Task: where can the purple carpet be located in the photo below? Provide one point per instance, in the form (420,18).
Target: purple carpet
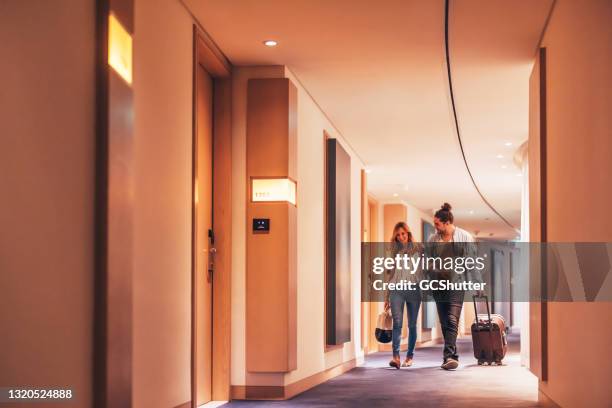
(424,384)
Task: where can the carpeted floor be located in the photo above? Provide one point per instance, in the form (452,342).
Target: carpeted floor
(424,384)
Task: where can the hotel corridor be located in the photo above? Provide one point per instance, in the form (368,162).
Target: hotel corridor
(228,203)
(424,384)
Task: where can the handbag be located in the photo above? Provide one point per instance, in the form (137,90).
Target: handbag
(384,327)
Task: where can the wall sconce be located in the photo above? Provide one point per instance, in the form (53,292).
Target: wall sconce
(119,49)
(273,190)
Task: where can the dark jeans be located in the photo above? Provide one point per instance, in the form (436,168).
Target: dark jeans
(449,304)
(397,299)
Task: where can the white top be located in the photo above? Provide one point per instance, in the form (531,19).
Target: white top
(459,235)
(399,274)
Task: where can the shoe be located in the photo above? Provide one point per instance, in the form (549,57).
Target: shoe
(395,362)
(407,362)
(450,364)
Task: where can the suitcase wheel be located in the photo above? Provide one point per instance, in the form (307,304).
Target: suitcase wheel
(498,362)
(480,362)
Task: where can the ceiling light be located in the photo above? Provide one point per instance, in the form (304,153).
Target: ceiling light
(471,211)
(504,166)
(395,195)
(519,174)
(500,156)
(508,144)
(368,171)
(270,43)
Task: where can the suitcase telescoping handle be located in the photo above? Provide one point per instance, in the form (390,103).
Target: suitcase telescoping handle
(486,303)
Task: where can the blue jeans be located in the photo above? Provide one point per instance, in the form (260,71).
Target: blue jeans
(412,299)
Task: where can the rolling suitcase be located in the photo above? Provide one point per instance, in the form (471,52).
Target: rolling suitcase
(488,336)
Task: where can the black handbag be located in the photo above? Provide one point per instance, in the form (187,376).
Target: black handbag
(384,327)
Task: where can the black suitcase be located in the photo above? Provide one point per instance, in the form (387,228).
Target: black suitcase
(488,336)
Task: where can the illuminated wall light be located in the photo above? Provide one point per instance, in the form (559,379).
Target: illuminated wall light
(119,49)
(273,190)
(270,43)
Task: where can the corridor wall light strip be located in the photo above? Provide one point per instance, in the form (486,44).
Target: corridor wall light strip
(452,97)
(119,49)
(273,190)
(270,43)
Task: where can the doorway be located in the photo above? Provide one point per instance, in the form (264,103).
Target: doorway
(211,223)
(203,235)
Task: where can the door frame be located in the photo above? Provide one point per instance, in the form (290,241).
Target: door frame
(208,55)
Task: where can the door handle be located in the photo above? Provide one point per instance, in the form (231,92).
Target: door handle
(211,254)
(211,262)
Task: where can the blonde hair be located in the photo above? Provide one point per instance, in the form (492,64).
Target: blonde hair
(405,227)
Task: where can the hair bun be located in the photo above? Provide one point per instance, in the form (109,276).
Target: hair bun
(446,207)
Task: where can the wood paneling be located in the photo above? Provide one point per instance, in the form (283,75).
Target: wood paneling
(113,259)
(537,215)
(271,265)
(206,55)
(222,219)
(202,241)
(373,312)
(365,218)
(338,257)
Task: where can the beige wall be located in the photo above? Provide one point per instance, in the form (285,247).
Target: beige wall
(311,122)
(578,41)
(392,214)
(162,211)
(47,142)
(415,219)
(240,77)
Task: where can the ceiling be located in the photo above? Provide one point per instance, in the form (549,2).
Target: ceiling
(378,71)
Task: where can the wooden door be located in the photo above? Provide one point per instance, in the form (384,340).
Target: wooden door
(203,237)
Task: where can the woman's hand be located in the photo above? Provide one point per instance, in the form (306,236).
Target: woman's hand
(387,305)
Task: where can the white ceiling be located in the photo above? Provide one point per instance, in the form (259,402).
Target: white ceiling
(378,71)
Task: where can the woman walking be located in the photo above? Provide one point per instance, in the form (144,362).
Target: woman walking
(402,244)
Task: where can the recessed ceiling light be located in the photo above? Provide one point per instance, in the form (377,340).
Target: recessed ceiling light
(471,211)
(508,144)
(500,156)
(504,166)
(270,43)
(395,195)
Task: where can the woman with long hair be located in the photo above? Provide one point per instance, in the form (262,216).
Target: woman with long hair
(402,243)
